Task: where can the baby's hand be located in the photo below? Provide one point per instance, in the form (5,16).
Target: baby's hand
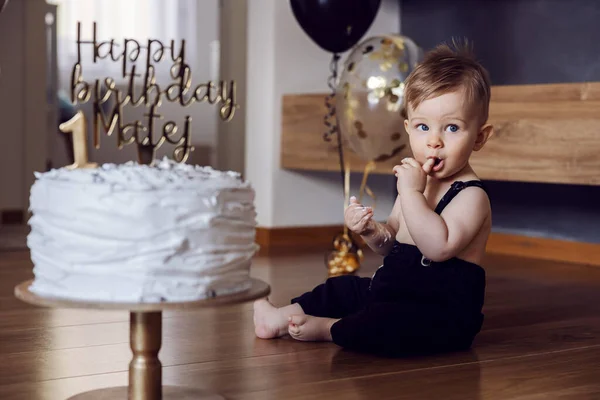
(357,217)
(412,175)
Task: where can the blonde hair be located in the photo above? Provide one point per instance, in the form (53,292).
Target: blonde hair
(447,68)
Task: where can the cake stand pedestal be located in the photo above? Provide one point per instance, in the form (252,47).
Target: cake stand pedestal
(145,369)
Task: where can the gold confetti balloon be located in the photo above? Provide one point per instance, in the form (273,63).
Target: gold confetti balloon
(370,94)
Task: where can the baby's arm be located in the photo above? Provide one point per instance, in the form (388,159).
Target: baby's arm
(378,236)
(441,237)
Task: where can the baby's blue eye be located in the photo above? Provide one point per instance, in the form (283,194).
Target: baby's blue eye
(423,127)
(452,128)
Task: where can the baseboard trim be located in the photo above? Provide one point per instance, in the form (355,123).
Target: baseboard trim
(292,239)
(545,248)
(12,217)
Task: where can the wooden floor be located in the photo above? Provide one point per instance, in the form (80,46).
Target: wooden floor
(541,340)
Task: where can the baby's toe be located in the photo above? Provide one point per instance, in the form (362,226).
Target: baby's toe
(298,319)
(293,329)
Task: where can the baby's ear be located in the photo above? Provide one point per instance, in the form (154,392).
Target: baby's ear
(483,135)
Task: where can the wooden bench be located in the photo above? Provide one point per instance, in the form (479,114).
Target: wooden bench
(543,133)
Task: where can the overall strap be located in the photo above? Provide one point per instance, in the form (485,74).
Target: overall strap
(455,188)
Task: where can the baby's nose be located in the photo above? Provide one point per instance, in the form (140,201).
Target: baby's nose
(434,142)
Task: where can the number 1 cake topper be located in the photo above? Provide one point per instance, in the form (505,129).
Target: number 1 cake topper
(145,90)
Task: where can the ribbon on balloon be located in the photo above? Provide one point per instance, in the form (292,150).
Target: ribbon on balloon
(370,115)
(365,106)
(346,256)
(335,26)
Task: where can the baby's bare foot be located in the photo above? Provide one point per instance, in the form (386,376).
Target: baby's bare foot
(309,328)
(269,322)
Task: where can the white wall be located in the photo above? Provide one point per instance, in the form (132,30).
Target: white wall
(230,137)
(282,59)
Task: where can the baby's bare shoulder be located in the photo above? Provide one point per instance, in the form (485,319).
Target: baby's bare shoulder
(471,200)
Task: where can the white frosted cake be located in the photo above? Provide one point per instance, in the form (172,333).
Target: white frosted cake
(139,233)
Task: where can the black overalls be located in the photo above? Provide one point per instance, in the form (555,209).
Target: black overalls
(411,305)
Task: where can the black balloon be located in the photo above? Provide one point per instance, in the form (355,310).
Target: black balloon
(335,25)
(3,4)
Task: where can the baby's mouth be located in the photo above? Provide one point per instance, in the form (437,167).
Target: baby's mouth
(438,164)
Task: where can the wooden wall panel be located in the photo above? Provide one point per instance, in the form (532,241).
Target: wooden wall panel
(543,133)
(302,144)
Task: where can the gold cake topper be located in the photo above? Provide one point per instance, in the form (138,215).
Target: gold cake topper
(151,95)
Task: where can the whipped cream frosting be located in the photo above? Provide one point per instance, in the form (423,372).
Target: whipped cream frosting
(139,233)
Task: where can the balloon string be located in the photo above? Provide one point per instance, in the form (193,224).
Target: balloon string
(331,119)
(363,186)
(346,193)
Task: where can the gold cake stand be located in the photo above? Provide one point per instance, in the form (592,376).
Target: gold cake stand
(145,368)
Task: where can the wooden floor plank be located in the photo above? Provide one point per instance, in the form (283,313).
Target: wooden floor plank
(541,318)
(568,374)
(560,375)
